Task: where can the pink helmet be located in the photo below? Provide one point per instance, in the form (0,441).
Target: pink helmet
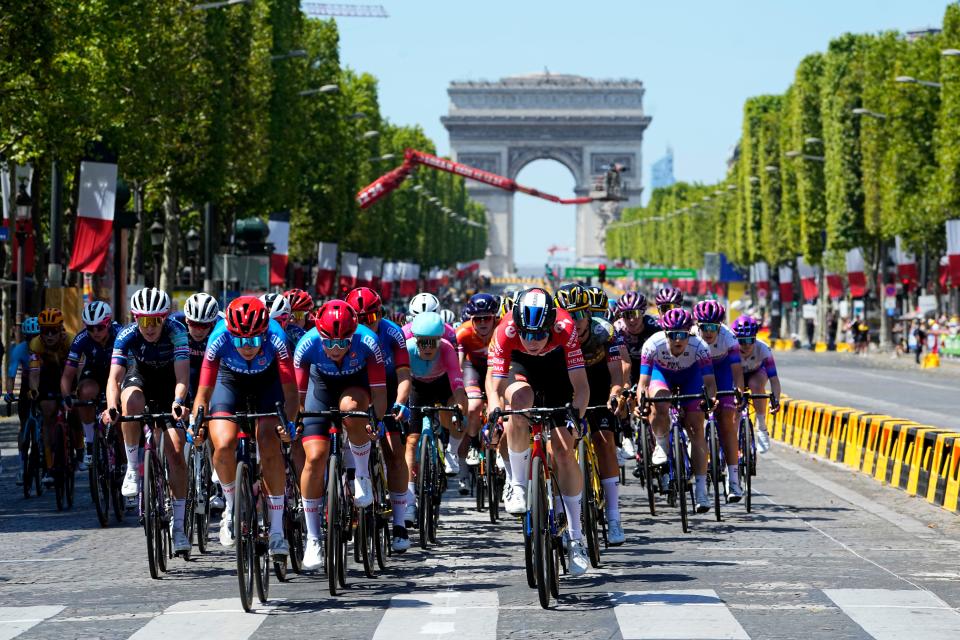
(632,300)
(676,320)
(709,311)
(746,327)
(669,295)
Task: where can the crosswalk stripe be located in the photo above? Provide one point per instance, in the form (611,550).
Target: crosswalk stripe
(222,618)
(891,613)
(464,615)
(684,613)
(16,620)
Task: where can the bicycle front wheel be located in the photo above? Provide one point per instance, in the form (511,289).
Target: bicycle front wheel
(540,532)
(332,549)
(646,451)
(424,499)
(492,484)
(680,476)
(714,445)
(151,516)
(261,534)
(589,504)
(244,522)
(99,476)
(747,461)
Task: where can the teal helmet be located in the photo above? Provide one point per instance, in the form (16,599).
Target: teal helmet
(30,326)
(428,324)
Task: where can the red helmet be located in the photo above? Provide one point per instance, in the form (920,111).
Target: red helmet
(247,317)
(299,300)
(364,300)
(336,319)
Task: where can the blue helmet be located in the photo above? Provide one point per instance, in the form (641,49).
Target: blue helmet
(481,304)
(428,324)
(30,326)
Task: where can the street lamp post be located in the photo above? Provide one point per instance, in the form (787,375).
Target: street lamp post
(860,111)
(193,249)
(324,89)
(24,204)
(156,241)
(912,80)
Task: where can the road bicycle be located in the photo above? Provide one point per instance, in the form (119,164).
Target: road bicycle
(490,479)
(106,467)
(431,481)
(31,444)
(200,488)
(747,463)
(64,467)
(594,503)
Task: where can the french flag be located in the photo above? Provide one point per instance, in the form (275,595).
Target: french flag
(279,225)
(95,208)
(389,277)
(326,268)
(906,262)
(349,271)
(786,284)
(808,279)
(855,273)
(760,277)
(953,250)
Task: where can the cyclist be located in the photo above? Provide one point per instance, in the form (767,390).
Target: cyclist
(94,345)
(150,367)
(634,327)
(506,307)
(601,357)
(200,313)
(535,355)
(423,303)
(758,367)
(668,298)
(338,364)
(728,373)
(20,361)
(479,320)
(366,302)
(301,306)
(247,362)
(673,359)
(48,355)
(437,379)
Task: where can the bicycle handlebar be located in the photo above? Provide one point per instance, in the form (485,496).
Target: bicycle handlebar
(433,410)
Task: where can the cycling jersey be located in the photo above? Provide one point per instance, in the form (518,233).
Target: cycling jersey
(725,352)
(601,345)
(448,333)
(684,372)
(760,357)
(49,362)
(19,359)
(311,361)
(393,344)
(130,347)
(445,363)
(197,349)
(506,341)
(95,356)
(471,345)
(294,333)
(634,341)
(221,352)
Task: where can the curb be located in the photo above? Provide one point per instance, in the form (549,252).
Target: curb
(920,459)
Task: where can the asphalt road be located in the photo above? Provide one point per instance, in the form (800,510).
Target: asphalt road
(826,553)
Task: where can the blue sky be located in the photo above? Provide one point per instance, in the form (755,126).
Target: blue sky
(698,61)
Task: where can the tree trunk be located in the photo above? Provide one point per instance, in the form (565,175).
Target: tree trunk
(171,241)
(135,264)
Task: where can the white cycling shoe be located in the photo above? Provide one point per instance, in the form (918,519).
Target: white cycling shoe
(451,466)
(763,440)
(734,492)
(615,534)
(629,448)
(362,492)
(313,554)
(278,546)
(702,501)
(226,530)
(577,561)
(659,456)
(516,503)
(130,487)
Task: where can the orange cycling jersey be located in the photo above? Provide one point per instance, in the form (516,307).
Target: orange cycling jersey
(472,345)
(54,358)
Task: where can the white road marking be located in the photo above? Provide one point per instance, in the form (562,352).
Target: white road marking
(222,618)
(463,615)
(24,560)
(696,614)
(889,614)
(17,620)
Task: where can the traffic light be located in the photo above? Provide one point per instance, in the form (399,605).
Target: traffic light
(602,273)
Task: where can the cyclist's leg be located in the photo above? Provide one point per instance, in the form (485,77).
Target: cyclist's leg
(693,422)
(356,398)
(316,448)
(519,395)
(473,383)
(132,402)
(757,383)
(87,389)
(265,389)
(603,425)
(660,413)
(48,411)
(729,439)
(394,458)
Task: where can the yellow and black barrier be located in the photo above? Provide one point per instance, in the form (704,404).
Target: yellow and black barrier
(920,459)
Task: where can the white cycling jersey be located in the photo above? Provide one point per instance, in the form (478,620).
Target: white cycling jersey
(656,353)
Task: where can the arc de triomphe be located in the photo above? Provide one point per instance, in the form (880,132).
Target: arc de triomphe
(582,123)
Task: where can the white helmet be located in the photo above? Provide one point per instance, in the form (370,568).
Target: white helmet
(448,317)
(150,302)
(423,302)
(96,312)
(202,308)
(277,305)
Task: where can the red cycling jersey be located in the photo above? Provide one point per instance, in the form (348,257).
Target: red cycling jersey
(472,345)
(505,341)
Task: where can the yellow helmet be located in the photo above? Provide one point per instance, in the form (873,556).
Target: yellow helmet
(598,299)
(50,317)
(572,298)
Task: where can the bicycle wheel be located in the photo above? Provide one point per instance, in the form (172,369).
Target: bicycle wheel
(492,484)
(680,476)
(332,548)
(116,480)
(202,511)
(244,521)
(646,450)
(367,540)
(589,504)
(261,545)
(59,465)
(714,448)
(69,468)
(99,476)
(296,528)
(439,488)
(424,500)
(164,508)
(190,504)
(151,515)
(478,483)
(540,532)
(31,464)
(747,461)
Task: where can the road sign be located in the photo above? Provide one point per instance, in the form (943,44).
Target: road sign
(659,272)
(617,272)
(890,290)
(571,273)
(4,234)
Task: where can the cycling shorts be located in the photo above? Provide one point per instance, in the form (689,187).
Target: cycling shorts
(723,373)
(602,420)
(323,394)
(748,375)
(49,386)
(474,379)
(259,392)
(689,381)
(426,394)
(158,384)
(547,376)
(98,375)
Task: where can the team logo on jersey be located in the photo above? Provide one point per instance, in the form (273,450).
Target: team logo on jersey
(510,330)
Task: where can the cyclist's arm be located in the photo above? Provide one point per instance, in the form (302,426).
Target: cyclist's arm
(181,369)
(581,389)
(710,384)
(496,387)
(737,370)
(117,371)
(288,381)
(208,378)
(616,382)
(403,385)
(34,378)
(775,388)
(67,379)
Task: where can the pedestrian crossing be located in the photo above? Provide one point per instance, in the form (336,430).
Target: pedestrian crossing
(700,614)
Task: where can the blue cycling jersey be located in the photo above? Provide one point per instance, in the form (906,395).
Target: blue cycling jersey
(170,347)
(19,357)
(220,348)
(364,350)
(95,355)
(294,333)
(392,341)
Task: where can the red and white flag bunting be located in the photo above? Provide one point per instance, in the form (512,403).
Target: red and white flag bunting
(349,271)
(808,279)
(95,207)
(855,273)
(409,273)
(377,272)
(760,276)
(786,284)
(953,250)
(365,272)
(906,262)
(388,279)
(834,284)
(25,175)
(326,268)
(279,225)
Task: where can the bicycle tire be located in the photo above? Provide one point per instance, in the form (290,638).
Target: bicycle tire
(297,530)
(332,548)
(70,468)
(714,446)
(261,545)
(202,517)
(366,539)
(99,478)
(243,518)
(493,484)
(59,465)
(424,503)
(190,504)
(540,525)
(587,500)
(478,484)
(150,515)
(439,488)
(646,452)
(747,463)
(116,481)
(163,500)
(680,477)
(30,465)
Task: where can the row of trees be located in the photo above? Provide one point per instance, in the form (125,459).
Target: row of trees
(847,157)
(230,105)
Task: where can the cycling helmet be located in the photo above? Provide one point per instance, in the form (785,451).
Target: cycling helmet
(399,317)
(336,320)
(150,302)
(598,300)
(247,317)
(709,311)
(50,317)
(96,312)
(676,320)
(506,306)
(746,327)
(574,298)
(423,302)
(669,295)
(427,325)
(480,304)
(632,300)
(447,316)
(364,300)
(30,326)
(202,308)
(299,300)
(534,311)
(277,306)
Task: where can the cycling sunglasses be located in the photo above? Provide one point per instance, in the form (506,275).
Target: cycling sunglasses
(747,340)
(678,335)
(335,343)
(371,317)
(199,325)
(251,342)
(633,314)
(532,336)
(427,343)
(146,322)
(712,327)
(299,315)
(96,328)
(50,332)
(484,318)
(663,308)
(580,314)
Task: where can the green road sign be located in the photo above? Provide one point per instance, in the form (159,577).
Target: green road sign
(571,273)
(617,272)
(659,272)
